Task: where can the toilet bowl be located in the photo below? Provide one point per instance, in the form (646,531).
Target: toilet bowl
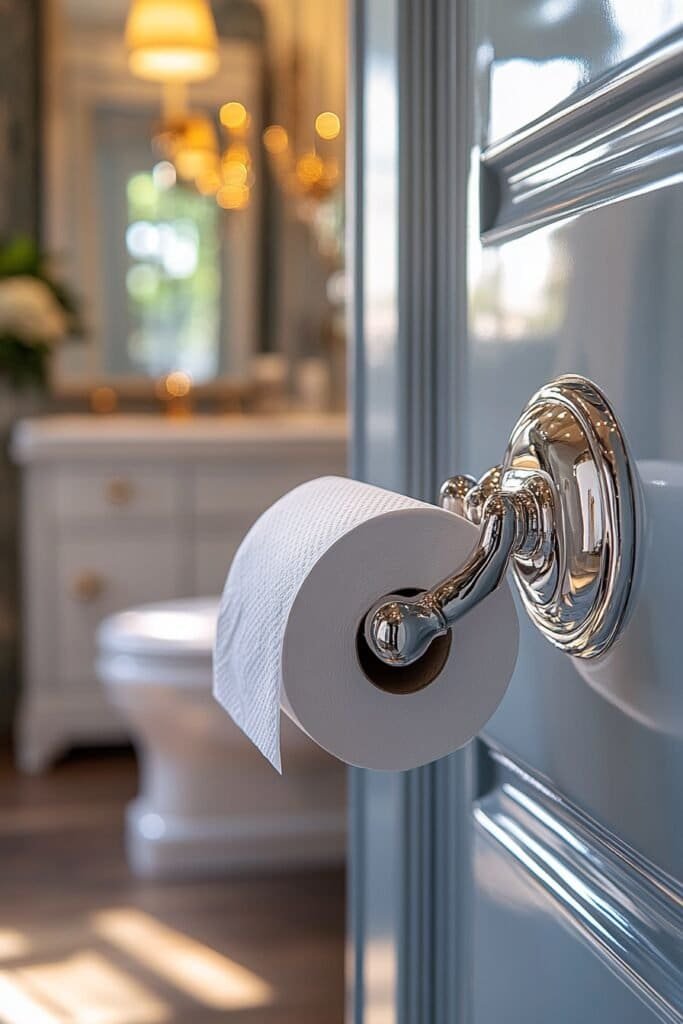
(208,801)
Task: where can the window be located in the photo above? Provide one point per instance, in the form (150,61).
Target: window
(173,276)
(162,259)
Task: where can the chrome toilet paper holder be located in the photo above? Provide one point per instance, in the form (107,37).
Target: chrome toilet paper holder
(561,510)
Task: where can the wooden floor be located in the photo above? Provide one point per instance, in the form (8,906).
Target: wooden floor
(82,942)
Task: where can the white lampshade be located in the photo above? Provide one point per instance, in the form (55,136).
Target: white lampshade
(172,40)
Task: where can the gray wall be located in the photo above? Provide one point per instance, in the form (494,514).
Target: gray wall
(19,99)
(19,214)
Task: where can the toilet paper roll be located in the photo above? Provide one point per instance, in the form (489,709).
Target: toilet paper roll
(290,629)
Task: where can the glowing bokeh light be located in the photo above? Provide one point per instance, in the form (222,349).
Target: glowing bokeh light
(328,125)
(233,115)
(275,139)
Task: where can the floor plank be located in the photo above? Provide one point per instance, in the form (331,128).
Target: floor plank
(62,870)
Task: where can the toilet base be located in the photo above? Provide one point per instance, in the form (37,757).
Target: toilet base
(172,846)
(208,801)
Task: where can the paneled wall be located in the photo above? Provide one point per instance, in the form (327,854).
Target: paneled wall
(19,214)
(19,136)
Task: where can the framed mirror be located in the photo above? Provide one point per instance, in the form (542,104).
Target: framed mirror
(167,276)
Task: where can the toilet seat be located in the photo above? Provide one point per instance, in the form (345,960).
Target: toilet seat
(167,642)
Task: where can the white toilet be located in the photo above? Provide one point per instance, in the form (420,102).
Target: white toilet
(208,800)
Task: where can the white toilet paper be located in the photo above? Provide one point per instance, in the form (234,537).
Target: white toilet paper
(297,593)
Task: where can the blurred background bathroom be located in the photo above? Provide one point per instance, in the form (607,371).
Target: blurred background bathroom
(172,359)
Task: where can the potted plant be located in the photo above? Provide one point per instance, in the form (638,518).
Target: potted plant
(36,314)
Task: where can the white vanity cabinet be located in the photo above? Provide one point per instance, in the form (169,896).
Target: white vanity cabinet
(122,510)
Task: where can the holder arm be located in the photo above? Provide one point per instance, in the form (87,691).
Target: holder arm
(399,629)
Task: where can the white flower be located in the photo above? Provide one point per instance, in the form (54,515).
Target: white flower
(30,311)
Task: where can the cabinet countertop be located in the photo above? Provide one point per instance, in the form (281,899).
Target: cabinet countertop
(143,436)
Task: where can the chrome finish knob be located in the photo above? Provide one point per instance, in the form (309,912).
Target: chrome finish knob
(402,628)
(454,492)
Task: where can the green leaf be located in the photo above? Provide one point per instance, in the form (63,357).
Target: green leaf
(19,255)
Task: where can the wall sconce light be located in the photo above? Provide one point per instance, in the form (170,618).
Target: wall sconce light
(172,40)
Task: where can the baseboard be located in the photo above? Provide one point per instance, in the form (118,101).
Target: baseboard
(163,847)
(47,727)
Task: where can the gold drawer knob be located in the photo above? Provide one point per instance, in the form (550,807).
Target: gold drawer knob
(119,491)
(87,586)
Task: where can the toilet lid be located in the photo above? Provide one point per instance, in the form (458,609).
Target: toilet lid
(175,629)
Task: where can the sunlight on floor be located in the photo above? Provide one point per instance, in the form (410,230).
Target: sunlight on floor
(81,942)
(82,989)
(86,988)
(202,973)
(19,1007)
(13,944)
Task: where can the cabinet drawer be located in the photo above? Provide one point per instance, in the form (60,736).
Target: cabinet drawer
(213,554)
(115,493)
(247,489)
(98,576)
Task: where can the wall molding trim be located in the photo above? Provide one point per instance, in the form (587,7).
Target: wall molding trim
(410,858)
(627,910)
(620,136)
